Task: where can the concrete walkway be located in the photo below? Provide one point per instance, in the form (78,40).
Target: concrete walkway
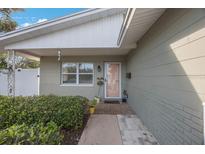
(107,129)
(101,129)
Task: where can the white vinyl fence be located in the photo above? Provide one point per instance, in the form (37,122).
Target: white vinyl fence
(26,82)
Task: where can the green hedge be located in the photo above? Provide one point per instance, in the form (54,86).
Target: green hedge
(33,134)
(21,112)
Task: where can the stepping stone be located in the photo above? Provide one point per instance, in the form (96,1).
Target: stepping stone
(134,132)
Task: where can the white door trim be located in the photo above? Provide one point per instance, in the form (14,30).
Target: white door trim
(105,77)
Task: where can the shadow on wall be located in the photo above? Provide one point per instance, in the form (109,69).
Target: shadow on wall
(168,77)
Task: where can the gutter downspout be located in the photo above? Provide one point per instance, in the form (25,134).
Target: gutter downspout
(125,25)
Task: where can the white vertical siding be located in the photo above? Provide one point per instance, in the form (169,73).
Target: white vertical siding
(99,33)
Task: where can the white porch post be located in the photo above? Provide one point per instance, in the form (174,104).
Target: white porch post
(11,72)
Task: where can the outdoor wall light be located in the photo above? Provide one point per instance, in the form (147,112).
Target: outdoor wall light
(99,68)
(128,75)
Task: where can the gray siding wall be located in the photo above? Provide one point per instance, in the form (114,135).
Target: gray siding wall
(167,87)
(50,75)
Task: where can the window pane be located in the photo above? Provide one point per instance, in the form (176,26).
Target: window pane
(86,78)
(69,78)
(85,68)
(69,68)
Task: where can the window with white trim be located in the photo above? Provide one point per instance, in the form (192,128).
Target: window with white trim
(77,73)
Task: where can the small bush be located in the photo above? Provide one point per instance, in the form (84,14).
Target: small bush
(92,103)
(34,134)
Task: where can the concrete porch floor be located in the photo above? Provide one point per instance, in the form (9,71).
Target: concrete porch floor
(115,129)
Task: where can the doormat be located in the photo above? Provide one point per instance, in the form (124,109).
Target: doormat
(112,102)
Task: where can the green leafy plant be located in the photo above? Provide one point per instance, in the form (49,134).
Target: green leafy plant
(7,24)
(93,103)
(3,63)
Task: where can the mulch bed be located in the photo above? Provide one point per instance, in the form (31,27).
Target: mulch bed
(72,137)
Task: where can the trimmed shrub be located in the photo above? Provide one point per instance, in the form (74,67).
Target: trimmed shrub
(65,111)
(34,134)
(38,119)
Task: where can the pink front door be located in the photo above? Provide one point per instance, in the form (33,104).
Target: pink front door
(112,76)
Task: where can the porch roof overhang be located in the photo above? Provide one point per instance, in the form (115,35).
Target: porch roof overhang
(90,32)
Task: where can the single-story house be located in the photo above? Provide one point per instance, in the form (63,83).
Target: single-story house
(155,56)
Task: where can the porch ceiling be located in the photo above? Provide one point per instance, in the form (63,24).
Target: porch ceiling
(138,24)
(72,52)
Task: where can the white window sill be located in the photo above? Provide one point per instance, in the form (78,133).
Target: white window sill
(76,85)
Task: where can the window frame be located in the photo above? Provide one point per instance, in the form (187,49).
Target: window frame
(77,74)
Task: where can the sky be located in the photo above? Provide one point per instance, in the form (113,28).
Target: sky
(35,15)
